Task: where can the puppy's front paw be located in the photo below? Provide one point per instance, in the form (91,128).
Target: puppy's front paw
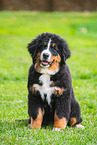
(33,89)
(57,129)
(58,91)
(79,126)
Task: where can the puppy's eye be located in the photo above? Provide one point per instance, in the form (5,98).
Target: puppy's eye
(53,45)
(45,44)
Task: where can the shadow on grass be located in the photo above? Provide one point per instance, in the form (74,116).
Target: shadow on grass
(18,125)
(12,125)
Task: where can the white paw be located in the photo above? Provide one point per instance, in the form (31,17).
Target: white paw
(57,89)
(57,129)
(80,126)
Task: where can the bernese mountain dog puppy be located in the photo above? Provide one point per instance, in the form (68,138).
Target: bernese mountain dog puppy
(50,94)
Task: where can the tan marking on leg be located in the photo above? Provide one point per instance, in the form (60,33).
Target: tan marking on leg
(59,91)
(52,84)
(59,123)
(32,89)
(72,121)
(36,124)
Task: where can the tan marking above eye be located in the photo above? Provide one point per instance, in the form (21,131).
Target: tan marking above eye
(53,45)
(44,44)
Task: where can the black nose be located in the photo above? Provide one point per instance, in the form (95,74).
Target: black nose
(45,55)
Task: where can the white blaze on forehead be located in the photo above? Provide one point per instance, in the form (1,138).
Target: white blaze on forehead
(47,51)
(49,43)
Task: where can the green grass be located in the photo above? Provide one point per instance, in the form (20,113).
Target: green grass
(17,29)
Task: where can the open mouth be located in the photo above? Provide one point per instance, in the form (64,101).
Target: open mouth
(44,63)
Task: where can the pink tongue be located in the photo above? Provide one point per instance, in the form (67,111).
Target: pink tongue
(45,63)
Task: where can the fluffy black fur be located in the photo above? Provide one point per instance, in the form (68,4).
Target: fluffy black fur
(65,105)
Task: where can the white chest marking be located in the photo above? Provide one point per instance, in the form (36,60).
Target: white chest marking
(45,88)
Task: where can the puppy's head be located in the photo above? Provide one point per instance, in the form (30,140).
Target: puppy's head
(48,52)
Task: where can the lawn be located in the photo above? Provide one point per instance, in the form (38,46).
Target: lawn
(17,29)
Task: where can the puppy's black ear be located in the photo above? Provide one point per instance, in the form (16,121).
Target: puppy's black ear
(65,52)
(32,48)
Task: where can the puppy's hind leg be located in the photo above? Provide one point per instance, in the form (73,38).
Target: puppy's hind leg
(75,117)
